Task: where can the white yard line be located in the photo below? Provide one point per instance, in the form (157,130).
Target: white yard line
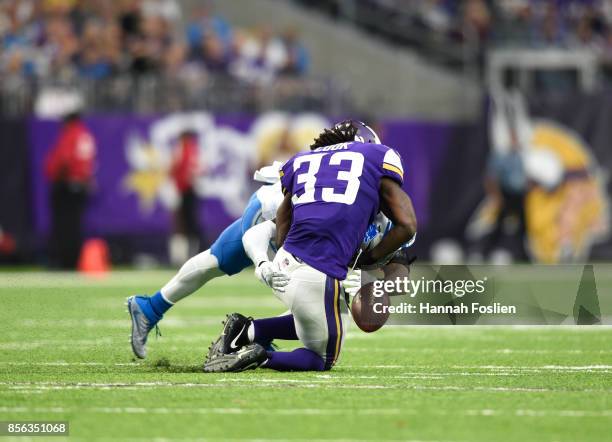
(116,279)
(492,369)
(115,323)
(70,364)
(274,383)
(307,411)
(472,350)
(204,411)
(427,372)
(540,368)
(164,439)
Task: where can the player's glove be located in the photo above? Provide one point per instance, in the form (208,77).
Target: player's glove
(352,283)
(271,276)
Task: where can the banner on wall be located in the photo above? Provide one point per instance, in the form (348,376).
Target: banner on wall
(134,194)
(444,167)
(565,149)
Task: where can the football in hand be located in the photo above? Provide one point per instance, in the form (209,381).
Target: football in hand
(369,311)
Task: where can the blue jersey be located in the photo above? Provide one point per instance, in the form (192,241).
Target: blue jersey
(335,196)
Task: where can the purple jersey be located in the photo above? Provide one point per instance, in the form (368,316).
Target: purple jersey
(335,196)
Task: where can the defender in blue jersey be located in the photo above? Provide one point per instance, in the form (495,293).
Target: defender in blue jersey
(225,257)
(332,194)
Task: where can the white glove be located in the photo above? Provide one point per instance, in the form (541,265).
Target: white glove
(272,276)
(352,283)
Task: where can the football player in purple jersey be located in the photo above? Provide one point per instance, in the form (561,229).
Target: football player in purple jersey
(332,194)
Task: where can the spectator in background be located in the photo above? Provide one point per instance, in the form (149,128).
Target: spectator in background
(211,53)
(130,19)
(476,26)
(64,40)
(498,231)
(298,59)
(550,29)
(586,36)
(168,10)
(94,60)
(8,246)
(69,167)
(434,15)
(185,171)
(202,22)
(260,57)
(506,183)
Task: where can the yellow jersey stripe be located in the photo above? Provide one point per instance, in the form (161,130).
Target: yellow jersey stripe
(337,316)
(393,168)
(281,173)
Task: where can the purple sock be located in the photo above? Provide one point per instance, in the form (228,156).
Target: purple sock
(301,359)
(279,327)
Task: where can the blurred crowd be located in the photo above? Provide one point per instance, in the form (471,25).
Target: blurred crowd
(564,24)
(436,25)
(536,23)
(99,39)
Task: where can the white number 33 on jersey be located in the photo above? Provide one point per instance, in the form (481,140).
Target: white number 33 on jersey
(329,194)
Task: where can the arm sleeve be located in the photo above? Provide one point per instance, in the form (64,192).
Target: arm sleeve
(392,166)
(256,241)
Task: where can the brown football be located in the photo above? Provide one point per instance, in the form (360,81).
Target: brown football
(363,312)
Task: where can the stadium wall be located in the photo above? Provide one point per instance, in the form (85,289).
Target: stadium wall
(134,196)
(15,215)
(445,165)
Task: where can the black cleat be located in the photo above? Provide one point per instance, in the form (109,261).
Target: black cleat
(247,358)
(233,337)
(235,333)
(215,349)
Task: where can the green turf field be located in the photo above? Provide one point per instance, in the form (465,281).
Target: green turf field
(65,355)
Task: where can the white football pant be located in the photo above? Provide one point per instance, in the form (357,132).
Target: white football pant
(318,307)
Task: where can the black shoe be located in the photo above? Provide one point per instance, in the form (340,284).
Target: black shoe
(235,335)
(247,358)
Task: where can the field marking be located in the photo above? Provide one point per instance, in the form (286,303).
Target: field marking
(214,410)
(204,339)
(308,411)
(426,373)
(116,323)
(273,383)
(164,439)
(78,364)
(406,330)
(542,368)
(473,350)
(599,368)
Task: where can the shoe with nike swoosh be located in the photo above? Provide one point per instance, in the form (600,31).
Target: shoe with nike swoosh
(233,338)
